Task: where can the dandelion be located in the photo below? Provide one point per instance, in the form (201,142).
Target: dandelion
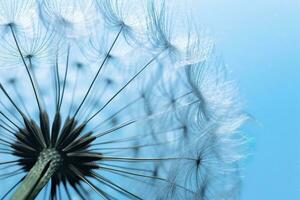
(104,99)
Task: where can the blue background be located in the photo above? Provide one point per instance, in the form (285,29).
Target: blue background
(260,41)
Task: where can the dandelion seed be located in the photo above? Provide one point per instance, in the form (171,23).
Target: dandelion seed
(101,99)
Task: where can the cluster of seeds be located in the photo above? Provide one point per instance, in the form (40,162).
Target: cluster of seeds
(116,97)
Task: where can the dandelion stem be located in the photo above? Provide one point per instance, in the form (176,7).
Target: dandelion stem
(38,176)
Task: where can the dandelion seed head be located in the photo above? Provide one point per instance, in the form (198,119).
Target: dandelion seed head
(17,13)
(118,102)
(71,19)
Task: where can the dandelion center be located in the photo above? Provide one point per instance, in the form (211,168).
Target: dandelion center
(66,142)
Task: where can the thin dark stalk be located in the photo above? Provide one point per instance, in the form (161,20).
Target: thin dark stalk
(117,112)
(20,99)
(94,97)
(7,125)
(132,147)
(7,129)
(95,188)
(9,112)
(65,78)
(98,72)
(57,83)
(74,91)
(142,118)
(133,138)
(11,174)
(128,168)
(124,86)
(12,102)
(8,119)
(146,176)
(67,190)
(115,186)
(27,69)
(8,162)
(38,90)
(128,159)
(13,187)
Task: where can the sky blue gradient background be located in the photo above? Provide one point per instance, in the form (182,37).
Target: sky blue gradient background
(260,40)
